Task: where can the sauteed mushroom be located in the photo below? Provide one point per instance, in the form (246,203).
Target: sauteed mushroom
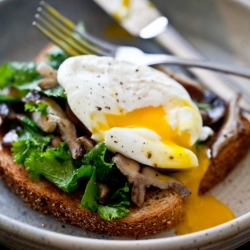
(230,128)
(56,118)
(144,177)
(49,74)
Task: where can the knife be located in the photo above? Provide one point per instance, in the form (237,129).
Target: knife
(141,18)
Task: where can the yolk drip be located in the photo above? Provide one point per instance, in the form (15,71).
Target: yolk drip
(201,211)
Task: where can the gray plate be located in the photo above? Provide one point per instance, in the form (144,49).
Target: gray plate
(220,29)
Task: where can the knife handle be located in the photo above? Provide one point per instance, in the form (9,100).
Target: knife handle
(220,84)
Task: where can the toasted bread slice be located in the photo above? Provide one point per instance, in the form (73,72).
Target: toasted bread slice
(162,208)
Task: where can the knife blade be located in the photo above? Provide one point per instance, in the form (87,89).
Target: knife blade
(141,18)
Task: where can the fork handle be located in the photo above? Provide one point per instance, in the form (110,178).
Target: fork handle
(200,63)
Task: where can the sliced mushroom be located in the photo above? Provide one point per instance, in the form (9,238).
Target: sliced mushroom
(56,141)
(104,191)
(47,123)
(87,143)
(144,177)
(49,74)
(230,128)
(56,118)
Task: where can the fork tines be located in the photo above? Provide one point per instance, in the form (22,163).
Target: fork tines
(65,34)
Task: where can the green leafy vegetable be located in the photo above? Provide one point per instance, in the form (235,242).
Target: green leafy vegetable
(85,171)
(17,73)
(91,194)
(29,139)
(109,213)
(6,75)
(56,56)
(201,105)
(56,165)
(32,106)
(96,157)
(28,86)
(117,206)
(121,194)
(57,91)
(4,98)
(105,171)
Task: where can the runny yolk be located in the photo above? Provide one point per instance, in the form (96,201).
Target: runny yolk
(201,211)
(151,118)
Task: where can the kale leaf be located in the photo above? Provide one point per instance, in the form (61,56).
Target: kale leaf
(57,91)
(17,73)
(96,157)
(56,56)
(4,98)
(91,194)
(56,165)
(105,171)
(117,206)
(32,107)
(30,138)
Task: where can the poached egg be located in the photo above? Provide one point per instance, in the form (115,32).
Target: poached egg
(136,110)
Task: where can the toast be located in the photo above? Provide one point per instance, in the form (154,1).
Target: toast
(161,210)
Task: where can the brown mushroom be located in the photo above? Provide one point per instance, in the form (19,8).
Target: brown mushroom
(49,74)
(230,128)
(104,191)
(87,143)
(142,177)
(56,118)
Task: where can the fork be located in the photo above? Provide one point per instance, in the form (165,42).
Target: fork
(64,33)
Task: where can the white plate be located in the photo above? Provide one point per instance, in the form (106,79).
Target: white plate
(220,29)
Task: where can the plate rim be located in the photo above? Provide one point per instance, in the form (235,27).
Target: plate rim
(226,231)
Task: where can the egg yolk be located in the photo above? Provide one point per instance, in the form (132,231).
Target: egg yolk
(151,118)
(201,211)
